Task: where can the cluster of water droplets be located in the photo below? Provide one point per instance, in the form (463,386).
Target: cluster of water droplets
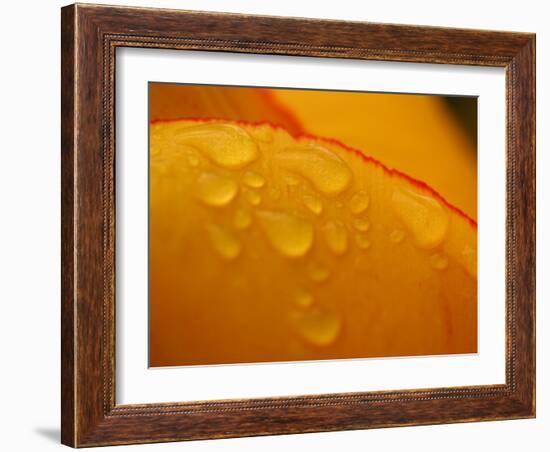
(231,151)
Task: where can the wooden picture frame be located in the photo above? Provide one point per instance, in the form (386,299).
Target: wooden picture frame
(90,36)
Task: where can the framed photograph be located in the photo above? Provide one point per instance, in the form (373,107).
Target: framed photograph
(282,225)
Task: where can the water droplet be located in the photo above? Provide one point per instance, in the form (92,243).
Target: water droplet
(361,225)
(439,261)
(155,151)
(253,179)
(397,236)
(289,234)
(318,327)
(313,203)
(336,236)
(224,242)
(291,180)
(253,197)
(242,219)
(363,241)
(359,202)
(263,134)
(468,259)
(193,159)
(424,216)
(303,299)
(317,273)
(215,189)
(326,171)
(227,145)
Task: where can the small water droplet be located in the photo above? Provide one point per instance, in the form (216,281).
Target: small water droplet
(317,272)
(289,234)
(253,197)
(359,202)
(242,219)
(303,299)
(318,327)
(336,237)
(215,189)
(361,225)
(468,259)
(325,170)
(397,236)
(263,134)
(291,180)
(193,159)
(253,179)
(223,242)
(424,216)
(439,261)
(227,145)
(313,203)
(363,241)
(155,151)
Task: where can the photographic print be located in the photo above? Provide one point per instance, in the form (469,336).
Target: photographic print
(294,225)
(269,225)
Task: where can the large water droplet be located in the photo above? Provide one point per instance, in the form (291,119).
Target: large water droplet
(215,189)
(359,202)
(424,216)
(227,145)
(242,219)
(439,261)
(336,237)
(326,171)
(303,299)
(253,179)
(289,234)
(313,203)
(223,242)
(318,327)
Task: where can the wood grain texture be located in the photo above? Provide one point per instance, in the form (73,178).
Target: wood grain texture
(90,36)
(67,226)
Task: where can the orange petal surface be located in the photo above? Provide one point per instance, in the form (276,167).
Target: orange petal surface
(268,246)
